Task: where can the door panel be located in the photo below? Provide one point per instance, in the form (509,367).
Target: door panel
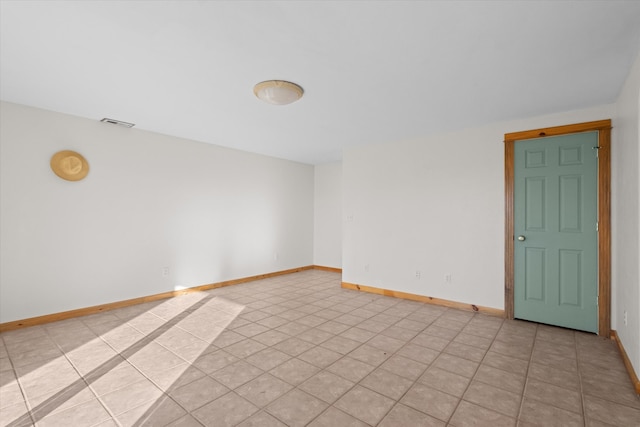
(555,212)
(570,204)
(535,199)
(570,277)
(535,274)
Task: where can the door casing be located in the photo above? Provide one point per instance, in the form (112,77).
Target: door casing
(603,127)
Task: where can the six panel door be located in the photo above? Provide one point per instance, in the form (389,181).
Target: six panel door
(555,227)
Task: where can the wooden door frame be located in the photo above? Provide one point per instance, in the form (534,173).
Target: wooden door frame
(603,127)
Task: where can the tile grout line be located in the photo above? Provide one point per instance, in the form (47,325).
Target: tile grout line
(474,374)
(21,388)
(71,389)
(100,399)
(397,401)
(145,376)
(331,405)
(297,298)
(583,405)
(297,387)
(82,378)
(526,377)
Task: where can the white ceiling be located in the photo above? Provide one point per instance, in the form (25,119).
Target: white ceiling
(372,71)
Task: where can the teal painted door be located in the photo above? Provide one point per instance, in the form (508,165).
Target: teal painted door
(555,231)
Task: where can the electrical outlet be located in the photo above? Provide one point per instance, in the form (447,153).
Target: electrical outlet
(366,267)
(165,271)
(447,278)
(625,318)
(418,274)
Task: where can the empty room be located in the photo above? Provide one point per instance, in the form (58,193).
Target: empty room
(319,213)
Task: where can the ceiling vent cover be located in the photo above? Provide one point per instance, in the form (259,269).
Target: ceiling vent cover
(118,122)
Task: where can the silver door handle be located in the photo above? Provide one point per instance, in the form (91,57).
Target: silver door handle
(522,238)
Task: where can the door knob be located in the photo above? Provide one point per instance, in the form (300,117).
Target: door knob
(522,238)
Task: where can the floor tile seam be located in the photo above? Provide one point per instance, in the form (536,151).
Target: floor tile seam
(18,400)
(540,353)
(511,343)
(524,395)
(515,417)
(486,349)
(396,401)
(109,412)
(17,377)
(320,371)
(337,409)
(23,393)
(536,360)
(191,411)
(465,357)
(92,425)
(125,358)
(262,372)
(581,414)
(460,398)
(141,331)
(51,336)
(416,333)
(121,387)
(446,422)
(12,354)
(526,376)
(414,360)
(616,402)
(115,415)
(40,392)
(54,411)
(20,421)
(356,384)
(253,364)
(331,404)
(116,422)
(266,407)
(583,403)
(586,365)
(543,380)
(618,360)
(81,377)
(623,377)
(500,387)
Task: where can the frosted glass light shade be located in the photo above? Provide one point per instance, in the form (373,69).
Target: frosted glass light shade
(278,92)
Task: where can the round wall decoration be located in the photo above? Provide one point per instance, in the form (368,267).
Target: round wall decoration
(69,165)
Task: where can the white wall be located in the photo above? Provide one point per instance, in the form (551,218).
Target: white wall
(327,240)
(626,216)
(150,201)
(434,205)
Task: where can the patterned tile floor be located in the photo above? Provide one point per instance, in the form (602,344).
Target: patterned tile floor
(297,350)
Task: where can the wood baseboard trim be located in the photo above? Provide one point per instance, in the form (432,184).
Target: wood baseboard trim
(425,299)
(331,269)
(627,362)
(48,318)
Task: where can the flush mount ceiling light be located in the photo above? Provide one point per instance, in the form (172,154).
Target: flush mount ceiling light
(117,122)
(278,92)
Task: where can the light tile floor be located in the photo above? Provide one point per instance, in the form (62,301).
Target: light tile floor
(297,350)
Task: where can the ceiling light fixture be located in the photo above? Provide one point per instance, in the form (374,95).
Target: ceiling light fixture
(117,122)
(278,92)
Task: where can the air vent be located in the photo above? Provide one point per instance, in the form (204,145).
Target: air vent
(118,122)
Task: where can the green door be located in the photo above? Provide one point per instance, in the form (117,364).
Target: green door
(555,228)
